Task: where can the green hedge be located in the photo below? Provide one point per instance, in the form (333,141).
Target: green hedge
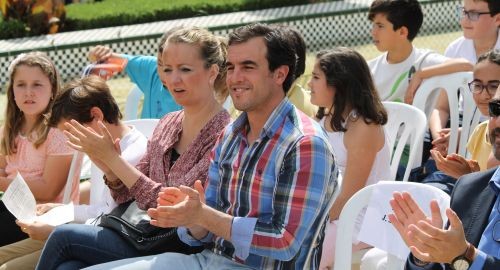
(109,13)
(12,29)
(124,12)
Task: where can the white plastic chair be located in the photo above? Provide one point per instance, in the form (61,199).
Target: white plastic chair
(406,125)
(73,176)
(132,103)
(324,216)
(145,126)
(455,85)
(360,200)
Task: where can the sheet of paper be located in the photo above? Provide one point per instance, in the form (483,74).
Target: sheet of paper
(58,215)
(376,229)
(19,200)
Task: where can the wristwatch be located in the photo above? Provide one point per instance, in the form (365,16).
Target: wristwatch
(463,261)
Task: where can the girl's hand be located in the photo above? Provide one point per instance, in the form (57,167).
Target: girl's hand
(45,207)
(36,230)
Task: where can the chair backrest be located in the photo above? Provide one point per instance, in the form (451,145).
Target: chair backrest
(406,126)
(360,200)
(455,85)
(132,103)
(323,217)
(73,176)
(145,126)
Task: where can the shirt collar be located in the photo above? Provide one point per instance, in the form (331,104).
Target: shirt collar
(495,181)
(272,124)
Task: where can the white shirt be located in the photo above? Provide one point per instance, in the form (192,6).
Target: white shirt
(464,48)
(391,80)
(133,146)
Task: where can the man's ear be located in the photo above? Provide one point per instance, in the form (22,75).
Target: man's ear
(280,74)
(96,114)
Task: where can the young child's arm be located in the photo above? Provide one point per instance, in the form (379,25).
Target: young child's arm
(447,67)
(54,178)
(439,117)
(3,164)
(101,53)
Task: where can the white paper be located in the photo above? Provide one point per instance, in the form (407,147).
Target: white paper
(19,200)
(377,231)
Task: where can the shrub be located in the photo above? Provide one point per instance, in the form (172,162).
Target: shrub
(12,29)
(112,13)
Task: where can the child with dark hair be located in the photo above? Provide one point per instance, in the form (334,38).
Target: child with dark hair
(479,20)
(395,23)
(350,108)
(87,101)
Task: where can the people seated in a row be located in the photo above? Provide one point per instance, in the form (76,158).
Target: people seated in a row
(87,101)
(177,154)
(28,145)
(271,172)
(480,22)
(486,79)
(269,155)
(470,240)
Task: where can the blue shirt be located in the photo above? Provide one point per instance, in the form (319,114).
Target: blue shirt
(157,99)
(276,188)
(487,245)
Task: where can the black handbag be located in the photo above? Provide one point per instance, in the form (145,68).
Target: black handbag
(132,224)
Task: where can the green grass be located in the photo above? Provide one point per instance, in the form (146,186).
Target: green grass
(124,12)
(134,7)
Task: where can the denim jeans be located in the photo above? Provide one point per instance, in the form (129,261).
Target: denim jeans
(74,246)
(440,180)
(206,260)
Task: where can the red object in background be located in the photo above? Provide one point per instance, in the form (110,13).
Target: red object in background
(107,68)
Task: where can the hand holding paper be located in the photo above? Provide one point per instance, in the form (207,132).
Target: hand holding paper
(19,200)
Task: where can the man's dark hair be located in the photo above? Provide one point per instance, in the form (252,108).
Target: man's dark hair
(79,96)
(407,13)
(280,47)
(300,48)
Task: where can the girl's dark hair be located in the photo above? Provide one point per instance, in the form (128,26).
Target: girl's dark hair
(346,70)
(493,56)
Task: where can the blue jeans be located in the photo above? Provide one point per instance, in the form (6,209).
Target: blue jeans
(74,246)
(440,180)
(206,260)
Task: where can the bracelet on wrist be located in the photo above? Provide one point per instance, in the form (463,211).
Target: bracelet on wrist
(112,184)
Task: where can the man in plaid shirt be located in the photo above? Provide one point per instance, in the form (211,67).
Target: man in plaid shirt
(271,174)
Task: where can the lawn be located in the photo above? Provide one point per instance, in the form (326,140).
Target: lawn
(121,86)
(134,7)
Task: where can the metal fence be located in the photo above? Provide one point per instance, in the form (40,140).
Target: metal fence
(324,25)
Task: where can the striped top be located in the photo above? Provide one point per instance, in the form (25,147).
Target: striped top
(276,188)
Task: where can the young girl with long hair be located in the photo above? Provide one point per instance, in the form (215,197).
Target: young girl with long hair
(353,116)
(27,144)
